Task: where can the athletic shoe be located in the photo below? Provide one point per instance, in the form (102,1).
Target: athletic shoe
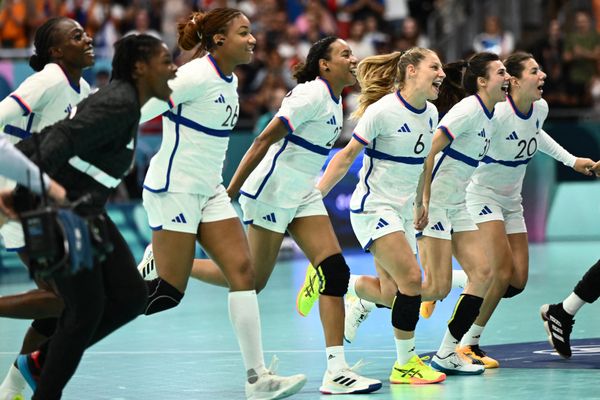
(347,381)
(474,352)
(456,364)
(10,395)
(426,309)
(558,324)
(13,385)
(415,371)
(270,386)
(29,366)
(147,267)
(356,313)
(309,292)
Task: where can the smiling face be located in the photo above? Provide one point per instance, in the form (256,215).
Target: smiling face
(340,69)
(73,46)
(531,82)
(237,43)
(428,76)
(496,83)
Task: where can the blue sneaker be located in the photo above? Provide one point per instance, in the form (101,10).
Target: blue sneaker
(30,368)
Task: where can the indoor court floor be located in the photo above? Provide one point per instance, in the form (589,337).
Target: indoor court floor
(191,353)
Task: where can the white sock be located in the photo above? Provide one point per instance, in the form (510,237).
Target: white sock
(472,336)
(459,279)
(336,360)
(405,350)
(13,382)
(351,285)
(448,345)
(367,305)
(572,304)
(245,318)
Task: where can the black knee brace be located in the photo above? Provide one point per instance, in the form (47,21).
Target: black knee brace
(334,275)
(161,296)
(45,326)
(465,313)
(405,312)
(512,291)
(588,288)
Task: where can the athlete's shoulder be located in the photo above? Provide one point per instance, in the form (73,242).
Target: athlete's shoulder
(542,106)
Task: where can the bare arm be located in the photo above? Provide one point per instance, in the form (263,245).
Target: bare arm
(339,165)
(274,132)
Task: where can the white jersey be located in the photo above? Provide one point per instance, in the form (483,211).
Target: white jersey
(44,98)
(288,173)
(515,142)
(469,126)
(397,138)
(203,110)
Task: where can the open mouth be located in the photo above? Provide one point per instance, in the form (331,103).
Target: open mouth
(89,51)
(353,71)
(541,88)
(504,87)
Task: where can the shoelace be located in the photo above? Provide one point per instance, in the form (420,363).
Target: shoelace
(273,365)
(478,351)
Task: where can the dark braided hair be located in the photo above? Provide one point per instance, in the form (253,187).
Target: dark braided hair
(45,38)
(461,79)
(309,70)
(128,51)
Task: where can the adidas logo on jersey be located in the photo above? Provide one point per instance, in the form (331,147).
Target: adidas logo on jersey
(381,223)
(68,109)
(180,219)
(332,121)
(485,211)
(438,227)
(270,217)
(482,133)
(512,136)
(221,99)
(404,128)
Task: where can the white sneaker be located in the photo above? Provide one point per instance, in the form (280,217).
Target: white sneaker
(270,386)
(11,395)
(13,385)
(147,267)
(356,313)
(456,364)
(347,381)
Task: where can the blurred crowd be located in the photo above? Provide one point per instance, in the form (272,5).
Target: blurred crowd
(568,46)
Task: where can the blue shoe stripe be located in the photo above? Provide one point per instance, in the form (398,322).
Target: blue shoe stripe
(23,367)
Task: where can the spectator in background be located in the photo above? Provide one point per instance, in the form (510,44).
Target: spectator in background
(315,15)
(361,46)
(13,19)
(493,38)
(582,50)
(361,9)
(142,24)
(104,19)
(548,50)
(374,34)
(395,13)
(411,32)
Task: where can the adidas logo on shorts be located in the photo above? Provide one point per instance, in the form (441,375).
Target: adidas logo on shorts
(180,219)
(270,217)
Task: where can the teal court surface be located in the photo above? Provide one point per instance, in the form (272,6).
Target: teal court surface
(191,353)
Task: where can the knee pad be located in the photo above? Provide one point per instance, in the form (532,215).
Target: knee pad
(161,296)
(512,291)
(334,275)
(465,313)
(405,312)
(45,326)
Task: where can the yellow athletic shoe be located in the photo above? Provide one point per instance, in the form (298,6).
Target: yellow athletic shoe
(309,292)
(427,308)
(474,352)
(415,372)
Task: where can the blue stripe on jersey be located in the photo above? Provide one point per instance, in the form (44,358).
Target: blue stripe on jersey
(335,99)
(446,132)
(460,156)
(360,140)
(179,119)
(407,105)
(24,106)
(168,180)
(514,164)
(298,141)
(16,131)
(383,156)
(516,110)
(485,110)
(286,122)
(364,199)
(438,165)
(264,182)
(226,78)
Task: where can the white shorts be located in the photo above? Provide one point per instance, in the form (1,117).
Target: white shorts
(443,222)
(514,222)
(183,212)
(277,219)
(372,225)
(12,236)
